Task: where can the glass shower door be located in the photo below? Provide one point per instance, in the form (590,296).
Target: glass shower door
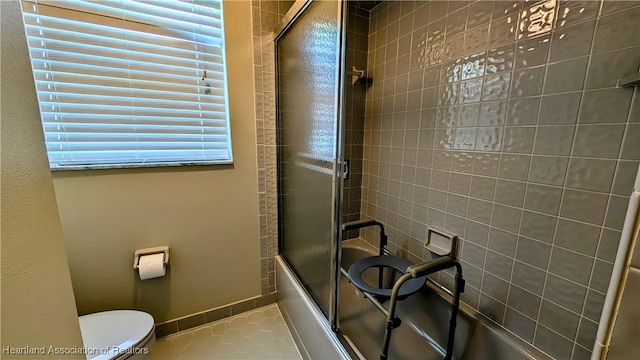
(309,54)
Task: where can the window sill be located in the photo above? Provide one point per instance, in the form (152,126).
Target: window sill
(138,166)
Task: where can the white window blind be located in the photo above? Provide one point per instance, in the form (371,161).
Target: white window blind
(130,83)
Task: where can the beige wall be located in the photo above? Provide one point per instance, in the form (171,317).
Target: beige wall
(208,216)
(37,299)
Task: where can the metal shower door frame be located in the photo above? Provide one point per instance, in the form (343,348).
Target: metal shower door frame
(289,19)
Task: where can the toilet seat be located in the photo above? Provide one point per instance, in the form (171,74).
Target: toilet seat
(385,261)
(115,334)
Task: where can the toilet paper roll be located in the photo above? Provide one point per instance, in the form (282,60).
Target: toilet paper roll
(151,266)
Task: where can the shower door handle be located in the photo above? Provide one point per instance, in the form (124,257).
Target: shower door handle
(345,169)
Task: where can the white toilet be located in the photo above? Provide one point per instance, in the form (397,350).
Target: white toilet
(117,334)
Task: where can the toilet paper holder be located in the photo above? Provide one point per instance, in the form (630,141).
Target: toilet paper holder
(149,251)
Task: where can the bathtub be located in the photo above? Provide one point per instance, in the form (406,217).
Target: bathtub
(422,334)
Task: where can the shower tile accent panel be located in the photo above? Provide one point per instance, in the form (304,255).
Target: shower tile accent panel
(500,121)
(355,96)
(265,16)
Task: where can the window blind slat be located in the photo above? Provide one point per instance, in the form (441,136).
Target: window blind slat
(149,78)
(99,83)
(123,82)
(105,121)
(128,52)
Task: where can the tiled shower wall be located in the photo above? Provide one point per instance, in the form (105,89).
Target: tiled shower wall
(265,17)
(500,121)
(355,95)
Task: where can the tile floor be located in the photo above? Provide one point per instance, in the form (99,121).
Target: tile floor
(256,334)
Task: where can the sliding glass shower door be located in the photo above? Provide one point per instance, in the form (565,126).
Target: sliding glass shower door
(309,58)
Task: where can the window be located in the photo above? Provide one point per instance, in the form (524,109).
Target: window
(130,83)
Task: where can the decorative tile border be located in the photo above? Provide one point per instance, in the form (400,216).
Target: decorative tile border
(219,313)
(266,16)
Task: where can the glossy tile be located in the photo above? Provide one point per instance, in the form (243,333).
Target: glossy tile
(606,68)
(550,170)
(476,39)
(572,41)
(533,252)
(492,113)
(508,8)
(468,115)
(587,333)
(462,161)
(584,206)
(503,30)
(630,147)
(554,140)
(492,308)
(488,139)
(537,19)
(574,11)
(459,183)
(605,106)
(532,52)
(570,265)
(524,301)
(601,141)
(543,198)
(518,139)
(616,210)
(523,111)
(479,13)
(560,109)
(566,76)
(477,233)
(617,31)
(580,353)
(527,82)
(577,236)
(502,242)
(514,166)
(480,210)
(454,46)
(528,277)
(564,293)
(473,254)
(519,324)
(486,130)
(510,192)
(538,226)
(457,204)
(554,345)
(506,217)
(593,305)
(473,66)
(438,10)
(611,6)
(448,94)
(470,91)
(500,59)
(624,178)
(483,187)
(456,21)
(601,276)
(485,163)
(561,320)
(496,87)
(498,265)
(590,174)
(608,245)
